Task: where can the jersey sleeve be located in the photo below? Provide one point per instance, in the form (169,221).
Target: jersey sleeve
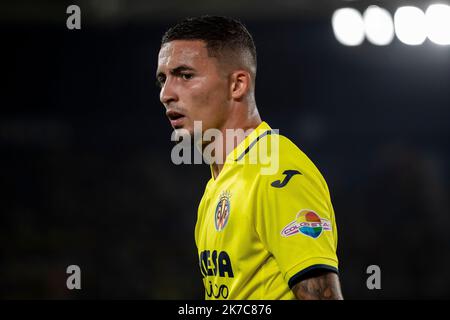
(295,219)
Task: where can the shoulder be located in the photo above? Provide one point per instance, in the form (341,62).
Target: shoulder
(280,161)
(283,151)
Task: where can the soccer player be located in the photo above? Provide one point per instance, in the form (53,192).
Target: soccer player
(259,235)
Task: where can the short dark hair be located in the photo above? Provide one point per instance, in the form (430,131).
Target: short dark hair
(217,32)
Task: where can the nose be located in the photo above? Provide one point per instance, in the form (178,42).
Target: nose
(168,94)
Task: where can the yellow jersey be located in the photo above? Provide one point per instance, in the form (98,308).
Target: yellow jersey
(260,231)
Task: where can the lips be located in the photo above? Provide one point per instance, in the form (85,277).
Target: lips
(176,118)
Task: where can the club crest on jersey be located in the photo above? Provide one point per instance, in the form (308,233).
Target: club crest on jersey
(222,211)
(307,222)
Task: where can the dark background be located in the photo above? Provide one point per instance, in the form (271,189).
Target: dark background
(85,170)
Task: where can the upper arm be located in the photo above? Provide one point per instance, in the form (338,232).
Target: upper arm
(295,219)
(319,286)
(297,226)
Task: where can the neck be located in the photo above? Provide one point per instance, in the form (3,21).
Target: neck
(247,124)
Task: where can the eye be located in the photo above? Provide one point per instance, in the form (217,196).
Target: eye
(187,76)
(160,81)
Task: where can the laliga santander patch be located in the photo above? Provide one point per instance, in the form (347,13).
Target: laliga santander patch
(308,223)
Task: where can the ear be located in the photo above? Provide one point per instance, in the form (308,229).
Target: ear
(240,84)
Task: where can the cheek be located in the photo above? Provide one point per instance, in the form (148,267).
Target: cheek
(208,100)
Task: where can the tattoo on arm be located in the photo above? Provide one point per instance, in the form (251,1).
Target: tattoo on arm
(324,286)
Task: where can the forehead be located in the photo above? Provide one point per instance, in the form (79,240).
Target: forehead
(187,52)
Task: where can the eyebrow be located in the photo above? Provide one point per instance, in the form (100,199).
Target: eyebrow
(176,71)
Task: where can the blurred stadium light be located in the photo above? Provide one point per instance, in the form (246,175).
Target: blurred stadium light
(411,24)
(348,26)
(378,26)
(438,23)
